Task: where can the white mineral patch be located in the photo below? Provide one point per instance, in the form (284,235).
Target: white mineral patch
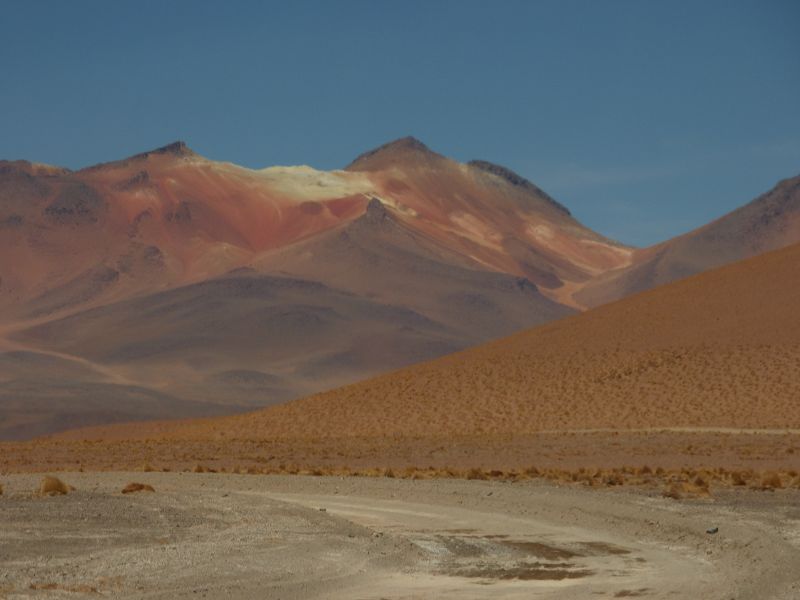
(307,183)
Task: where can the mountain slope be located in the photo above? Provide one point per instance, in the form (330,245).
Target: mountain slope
(379,257)
(769,222)
(216,287)
(491,215)
(70,240)
(365,298)
(721,349)
(212,287)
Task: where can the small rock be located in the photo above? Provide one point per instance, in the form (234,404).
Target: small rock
(712,530)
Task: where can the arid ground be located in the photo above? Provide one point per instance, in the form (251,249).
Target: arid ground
(242,537)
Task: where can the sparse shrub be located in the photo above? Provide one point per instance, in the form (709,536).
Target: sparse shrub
(738,478)
(771,481)
(699,487)
(674,491)
(53,486)
(137,487)
(476,473)
(532,472)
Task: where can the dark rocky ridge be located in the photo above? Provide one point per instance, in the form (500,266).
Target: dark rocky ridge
(178,149)
(518,181)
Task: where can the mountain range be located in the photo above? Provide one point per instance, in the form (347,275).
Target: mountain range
(168,285)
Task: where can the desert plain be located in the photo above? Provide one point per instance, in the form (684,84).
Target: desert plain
(218,535)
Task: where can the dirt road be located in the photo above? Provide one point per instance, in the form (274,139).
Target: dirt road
(248,537)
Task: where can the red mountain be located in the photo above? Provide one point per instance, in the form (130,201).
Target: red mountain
(168,285)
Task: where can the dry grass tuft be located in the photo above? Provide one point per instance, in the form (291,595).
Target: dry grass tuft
(697,490)
(53,486)
(675,491)
(739,478)
(476,473)
(137,487)
(771,481)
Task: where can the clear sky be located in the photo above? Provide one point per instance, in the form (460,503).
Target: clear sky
(645,118)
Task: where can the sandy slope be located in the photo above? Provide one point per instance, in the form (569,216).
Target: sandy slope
(244,537)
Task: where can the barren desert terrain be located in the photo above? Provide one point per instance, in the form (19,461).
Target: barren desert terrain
(247,537)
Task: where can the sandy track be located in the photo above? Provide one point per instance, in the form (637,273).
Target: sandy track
(231,536)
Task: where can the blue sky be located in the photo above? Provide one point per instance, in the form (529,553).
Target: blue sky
(645,118)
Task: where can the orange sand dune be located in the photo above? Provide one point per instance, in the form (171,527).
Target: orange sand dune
(718,350)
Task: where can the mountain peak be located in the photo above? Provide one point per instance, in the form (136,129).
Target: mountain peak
(376,211)
(517,181)
(404,149)
(177,148)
